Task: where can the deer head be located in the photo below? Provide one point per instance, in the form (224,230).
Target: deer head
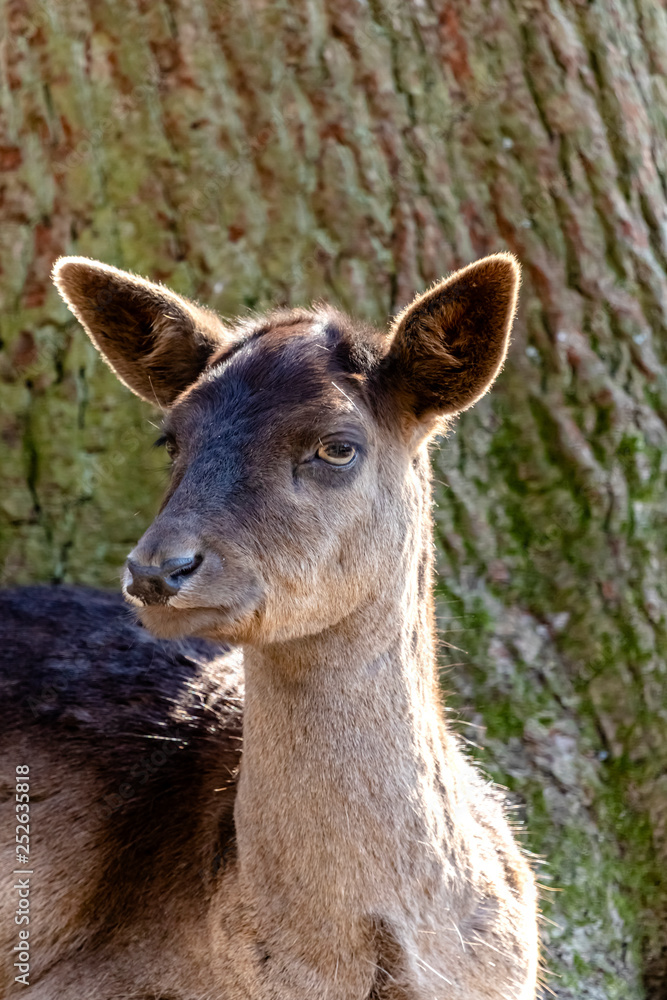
(293,439)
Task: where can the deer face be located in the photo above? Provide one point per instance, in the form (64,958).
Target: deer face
(293,488)
(269,527)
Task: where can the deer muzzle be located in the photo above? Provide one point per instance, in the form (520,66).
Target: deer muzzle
(157,584)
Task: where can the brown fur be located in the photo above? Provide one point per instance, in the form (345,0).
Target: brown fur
(368,859)
(145,332)
(453,338)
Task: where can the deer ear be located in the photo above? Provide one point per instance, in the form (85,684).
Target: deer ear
(156,342)
(451,342)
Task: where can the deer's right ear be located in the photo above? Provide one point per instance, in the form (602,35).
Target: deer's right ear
(156,342)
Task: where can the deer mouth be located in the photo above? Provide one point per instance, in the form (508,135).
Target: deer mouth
(172,607)
(221,624)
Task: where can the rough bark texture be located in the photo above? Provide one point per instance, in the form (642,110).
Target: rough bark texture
(248,152)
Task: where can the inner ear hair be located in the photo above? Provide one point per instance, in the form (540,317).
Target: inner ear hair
(450,343)
(157,342)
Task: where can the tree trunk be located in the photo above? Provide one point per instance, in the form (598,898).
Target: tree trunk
(248,152)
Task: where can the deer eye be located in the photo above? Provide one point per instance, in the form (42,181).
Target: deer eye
(167,442)
(337,453)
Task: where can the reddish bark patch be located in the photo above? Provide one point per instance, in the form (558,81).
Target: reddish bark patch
(11,157)
(454,46)
(25,351)
(49,241)
(235,232)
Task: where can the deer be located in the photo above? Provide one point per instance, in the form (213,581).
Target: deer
(309,826)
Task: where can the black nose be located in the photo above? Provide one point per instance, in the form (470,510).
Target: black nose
(156,584)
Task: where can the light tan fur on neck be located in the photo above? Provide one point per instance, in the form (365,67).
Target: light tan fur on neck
(356,814)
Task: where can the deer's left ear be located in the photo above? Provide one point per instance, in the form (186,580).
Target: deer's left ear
(450,343)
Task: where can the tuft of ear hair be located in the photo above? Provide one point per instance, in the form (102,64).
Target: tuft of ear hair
(450,343)
(157,342)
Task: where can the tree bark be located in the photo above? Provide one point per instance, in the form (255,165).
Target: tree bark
(248,153)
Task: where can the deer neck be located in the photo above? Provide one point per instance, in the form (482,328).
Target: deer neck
(342,808)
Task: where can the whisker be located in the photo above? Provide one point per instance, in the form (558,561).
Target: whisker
(346,396)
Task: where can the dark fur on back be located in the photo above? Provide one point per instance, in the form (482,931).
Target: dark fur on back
(156,724)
